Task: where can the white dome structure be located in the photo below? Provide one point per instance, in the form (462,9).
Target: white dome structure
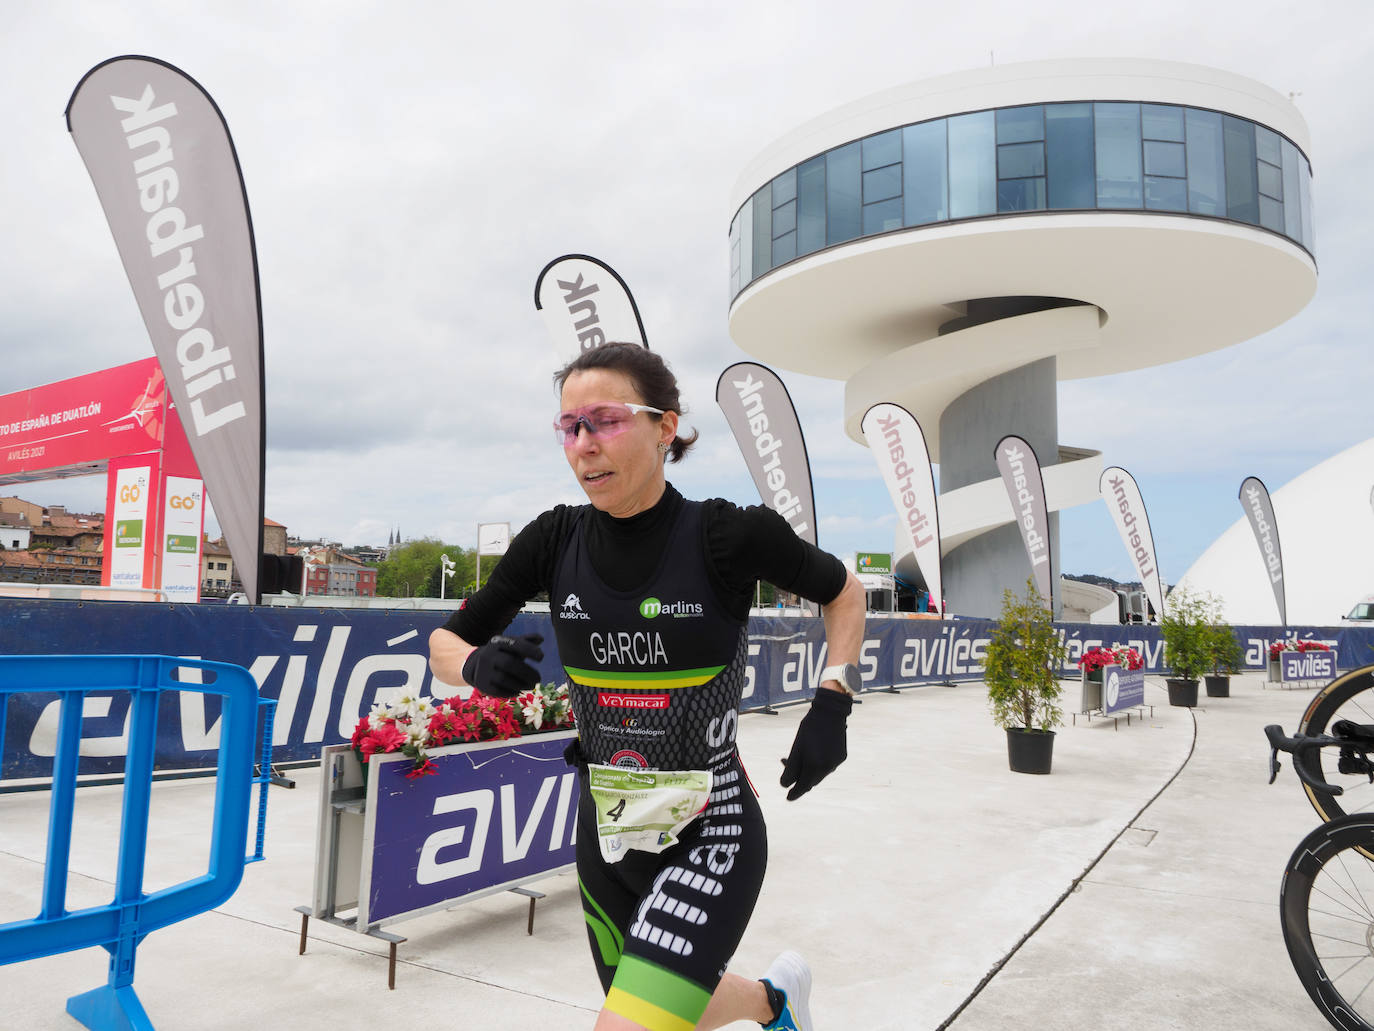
(1326,525)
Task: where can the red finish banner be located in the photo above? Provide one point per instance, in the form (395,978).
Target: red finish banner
(86,420)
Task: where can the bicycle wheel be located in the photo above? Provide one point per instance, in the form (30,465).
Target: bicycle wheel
(1326,906)
(1345,698)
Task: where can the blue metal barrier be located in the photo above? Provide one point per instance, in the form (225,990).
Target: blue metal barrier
(263,778)
(132,914)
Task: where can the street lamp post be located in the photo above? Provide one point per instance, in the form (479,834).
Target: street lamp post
(446,567)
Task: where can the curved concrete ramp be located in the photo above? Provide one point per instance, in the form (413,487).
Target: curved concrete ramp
(906,878)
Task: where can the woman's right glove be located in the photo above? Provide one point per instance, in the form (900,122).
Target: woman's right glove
(501,667)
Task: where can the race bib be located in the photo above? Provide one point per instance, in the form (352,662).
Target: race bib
(644,809)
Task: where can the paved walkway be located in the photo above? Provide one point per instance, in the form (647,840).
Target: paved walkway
(928,885)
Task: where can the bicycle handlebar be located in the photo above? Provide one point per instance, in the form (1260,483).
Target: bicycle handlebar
(1299,745)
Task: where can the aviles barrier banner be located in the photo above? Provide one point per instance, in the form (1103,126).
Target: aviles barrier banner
(168,178)
(1259,510)
(1020,469)
(764,421)
(495,814)
(1123,500)
(326,667)
(585,304)
(899,447)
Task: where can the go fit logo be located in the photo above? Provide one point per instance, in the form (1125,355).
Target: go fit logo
(652,607)
(186,501)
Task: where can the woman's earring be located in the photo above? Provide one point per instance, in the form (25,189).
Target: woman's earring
(662,448)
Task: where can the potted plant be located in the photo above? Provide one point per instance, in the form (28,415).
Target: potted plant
(1185,627)
(1021,669)
(1227,658)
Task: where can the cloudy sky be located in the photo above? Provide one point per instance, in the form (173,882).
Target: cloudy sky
(412,166)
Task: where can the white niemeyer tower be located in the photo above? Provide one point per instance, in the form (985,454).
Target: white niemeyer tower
(961,244)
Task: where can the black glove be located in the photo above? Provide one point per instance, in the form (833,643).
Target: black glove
(500,668)
(819,746)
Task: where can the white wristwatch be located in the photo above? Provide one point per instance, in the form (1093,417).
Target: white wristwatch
(846,675)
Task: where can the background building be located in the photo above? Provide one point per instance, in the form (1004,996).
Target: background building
(49,544)
(960,245)
(332,571)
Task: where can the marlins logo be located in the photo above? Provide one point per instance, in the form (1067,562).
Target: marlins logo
(572,608)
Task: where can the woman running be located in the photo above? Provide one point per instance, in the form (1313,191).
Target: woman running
(649,597)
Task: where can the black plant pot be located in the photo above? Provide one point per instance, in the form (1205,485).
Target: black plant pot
(1182,692)
(1029,751)
(1218,686)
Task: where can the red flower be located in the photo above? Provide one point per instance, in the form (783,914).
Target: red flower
(385,738)
(363,728)
(425,769)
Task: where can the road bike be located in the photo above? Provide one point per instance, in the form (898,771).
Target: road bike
(1350,699)
(1326,902)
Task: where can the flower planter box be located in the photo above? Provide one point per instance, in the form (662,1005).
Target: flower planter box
(1304,666)
(1218,686)
(494,815)
(1090,697)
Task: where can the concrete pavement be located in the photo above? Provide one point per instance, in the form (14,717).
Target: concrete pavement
(927,884)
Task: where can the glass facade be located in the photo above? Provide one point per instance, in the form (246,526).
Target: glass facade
(1079,156)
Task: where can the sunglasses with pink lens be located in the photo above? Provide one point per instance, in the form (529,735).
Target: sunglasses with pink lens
(604,419)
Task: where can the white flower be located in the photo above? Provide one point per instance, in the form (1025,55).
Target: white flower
(534,712)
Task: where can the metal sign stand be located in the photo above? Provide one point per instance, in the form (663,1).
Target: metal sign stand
(338,856)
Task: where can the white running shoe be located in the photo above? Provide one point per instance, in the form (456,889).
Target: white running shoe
(790,975)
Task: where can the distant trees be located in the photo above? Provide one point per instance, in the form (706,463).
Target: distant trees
(413,569)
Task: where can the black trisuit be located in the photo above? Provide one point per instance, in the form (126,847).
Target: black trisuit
(650,615)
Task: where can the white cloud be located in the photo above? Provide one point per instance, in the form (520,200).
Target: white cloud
(411,167)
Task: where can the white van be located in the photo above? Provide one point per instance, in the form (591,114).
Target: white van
(1363,612)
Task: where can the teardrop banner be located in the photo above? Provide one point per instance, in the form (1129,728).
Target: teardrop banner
(585,304)
(1020,469)
(899,447)
(764,421)
(1122,497)
(1259,510)
(168,178)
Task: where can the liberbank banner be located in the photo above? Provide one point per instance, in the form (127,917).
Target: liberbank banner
(899,447)
(1122,496)
(168,179)
(326,667)
(764,421)
(585,304)
(1259,510)
(1020,469)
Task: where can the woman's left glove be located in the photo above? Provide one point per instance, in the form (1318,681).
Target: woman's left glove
(819,746)
(501,667)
